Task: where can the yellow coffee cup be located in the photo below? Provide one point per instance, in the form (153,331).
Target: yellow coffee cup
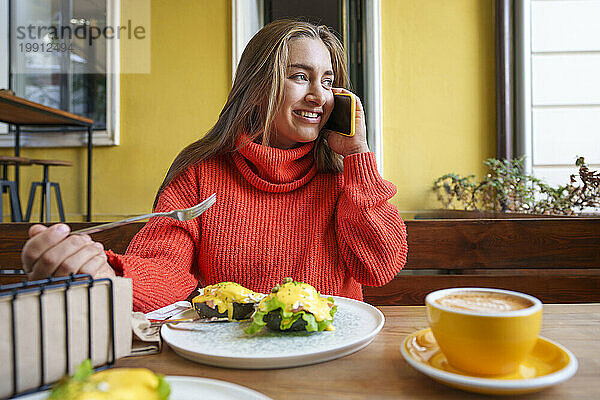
(484,331)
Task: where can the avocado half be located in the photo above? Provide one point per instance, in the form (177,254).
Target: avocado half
(273,321)
(240,311)
(226,300)
(297,306)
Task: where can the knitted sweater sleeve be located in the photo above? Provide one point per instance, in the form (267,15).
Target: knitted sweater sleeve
(159,258)
(370,232)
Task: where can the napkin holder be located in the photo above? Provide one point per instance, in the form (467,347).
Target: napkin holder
(50,326)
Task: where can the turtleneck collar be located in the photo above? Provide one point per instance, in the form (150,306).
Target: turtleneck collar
(272,169)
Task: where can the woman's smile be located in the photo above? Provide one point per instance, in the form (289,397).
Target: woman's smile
(310,117)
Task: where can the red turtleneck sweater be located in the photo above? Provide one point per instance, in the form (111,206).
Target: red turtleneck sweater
(275,217)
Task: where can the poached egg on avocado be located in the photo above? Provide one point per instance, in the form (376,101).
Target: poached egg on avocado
(293,306)
(226,299)
(111,384)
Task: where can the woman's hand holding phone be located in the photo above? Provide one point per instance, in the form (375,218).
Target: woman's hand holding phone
(357,143)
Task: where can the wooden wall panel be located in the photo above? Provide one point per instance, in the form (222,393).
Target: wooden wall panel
(517,243)
(411,290)
(556,259)
(546,243)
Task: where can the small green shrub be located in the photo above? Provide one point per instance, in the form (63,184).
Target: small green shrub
(506,188)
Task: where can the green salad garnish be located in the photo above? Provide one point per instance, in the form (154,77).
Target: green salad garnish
(272,303)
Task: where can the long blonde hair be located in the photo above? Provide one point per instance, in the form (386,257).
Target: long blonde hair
(257,92)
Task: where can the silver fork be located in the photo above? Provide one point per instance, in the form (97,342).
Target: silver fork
(182,215)
(154,324)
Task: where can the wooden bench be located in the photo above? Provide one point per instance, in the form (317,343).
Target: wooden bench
(554,259)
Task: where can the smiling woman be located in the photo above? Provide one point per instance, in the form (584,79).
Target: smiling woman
(293,199)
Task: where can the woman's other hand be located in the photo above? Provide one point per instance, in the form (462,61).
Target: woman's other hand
(345,145)
(53,251)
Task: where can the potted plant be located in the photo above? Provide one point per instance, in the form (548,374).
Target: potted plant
(506,191)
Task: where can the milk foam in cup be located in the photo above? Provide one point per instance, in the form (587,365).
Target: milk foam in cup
(484,331)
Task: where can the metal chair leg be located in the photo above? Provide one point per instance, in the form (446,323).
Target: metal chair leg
(45,191)
(1,204)
(42,198)
(15,203)
(34,185)
(47,196)
(61,211)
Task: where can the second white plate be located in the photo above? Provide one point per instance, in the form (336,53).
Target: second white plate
(226,344)
(191,387)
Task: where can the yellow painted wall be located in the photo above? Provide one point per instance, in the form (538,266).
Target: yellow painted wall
(438,93)
(161,113)
(438,97)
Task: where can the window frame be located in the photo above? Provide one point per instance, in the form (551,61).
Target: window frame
(73,138)
(523,108)
(527,122)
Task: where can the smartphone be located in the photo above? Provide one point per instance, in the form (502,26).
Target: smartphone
(343,115)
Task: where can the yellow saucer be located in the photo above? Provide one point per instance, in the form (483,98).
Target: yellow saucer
(548,364)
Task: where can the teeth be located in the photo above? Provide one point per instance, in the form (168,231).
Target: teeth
(308,114)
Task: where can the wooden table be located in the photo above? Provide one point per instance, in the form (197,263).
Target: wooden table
(379,371)
(18,111)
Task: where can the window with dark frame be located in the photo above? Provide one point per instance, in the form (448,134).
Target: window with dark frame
(44,70)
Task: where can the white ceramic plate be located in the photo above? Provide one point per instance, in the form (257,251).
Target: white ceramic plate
(225,344)
(188,387)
